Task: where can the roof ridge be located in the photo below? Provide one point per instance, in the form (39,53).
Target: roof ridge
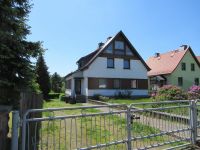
(170,51)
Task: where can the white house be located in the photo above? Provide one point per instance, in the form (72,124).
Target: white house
(114,66)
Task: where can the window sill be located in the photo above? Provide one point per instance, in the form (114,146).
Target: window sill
(127,68)
(111,67)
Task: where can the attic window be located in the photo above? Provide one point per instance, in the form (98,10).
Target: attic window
(119,45)
(109,49)
(183,66)
(128,51)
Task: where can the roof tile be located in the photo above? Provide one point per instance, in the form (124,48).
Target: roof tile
(165,63)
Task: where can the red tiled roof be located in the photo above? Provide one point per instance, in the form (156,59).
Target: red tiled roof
(165,63)
(198,57)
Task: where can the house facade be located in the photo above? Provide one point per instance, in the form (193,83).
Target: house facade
(178,67)
(114,66)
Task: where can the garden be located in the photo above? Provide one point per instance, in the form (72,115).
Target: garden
(76,132)
(165,93)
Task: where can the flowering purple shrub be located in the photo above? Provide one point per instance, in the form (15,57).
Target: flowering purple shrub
(170,92)
(194,92)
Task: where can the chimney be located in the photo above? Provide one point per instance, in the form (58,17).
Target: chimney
(109,38)
(101,44)
(183,47)
(157,55)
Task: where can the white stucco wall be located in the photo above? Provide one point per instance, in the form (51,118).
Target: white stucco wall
(99,69)
(112,92)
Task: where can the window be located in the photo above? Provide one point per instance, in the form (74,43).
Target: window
(119,45)
(119,52)
(196,81)
(133,84)
(102,83)
(110,62)
(183,66)
(126,64)
(116,84)
(192,67)
(180,81)
(109,49)
(128,51)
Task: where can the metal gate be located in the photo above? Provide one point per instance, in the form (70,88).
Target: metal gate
(155,125)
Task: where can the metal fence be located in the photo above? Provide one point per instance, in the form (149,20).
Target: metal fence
(161,125)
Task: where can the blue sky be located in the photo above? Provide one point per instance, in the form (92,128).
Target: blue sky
(71,29)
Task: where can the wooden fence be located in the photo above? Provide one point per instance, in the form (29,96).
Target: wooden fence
(28,100)
(31,101)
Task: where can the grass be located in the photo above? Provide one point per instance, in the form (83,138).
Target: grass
(84,131)
(179,111)
(129,101)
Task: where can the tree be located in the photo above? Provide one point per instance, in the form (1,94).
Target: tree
(56,83)
(17,70)
(43,78)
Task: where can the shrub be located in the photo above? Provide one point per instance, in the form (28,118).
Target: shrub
(170,92)
(103,98)
(99,97)
(64,98)
(194,92)
(96,97)
(53,95)
(123,94)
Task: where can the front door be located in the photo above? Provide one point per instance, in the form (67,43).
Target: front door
(78,86)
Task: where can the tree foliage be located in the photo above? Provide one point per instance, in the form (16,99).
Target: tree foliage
(43,78)
(17,70)
(56,83)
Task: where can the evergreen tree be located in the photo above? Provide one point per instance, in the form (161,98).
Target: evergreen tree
(16,71)
(43,78)
(56,83)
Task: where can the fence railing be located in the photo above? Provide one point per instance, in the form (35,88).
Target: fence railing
(162,125)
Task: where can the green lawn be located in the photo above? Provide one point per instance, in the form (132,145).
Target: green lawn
(93,130)
(129,101)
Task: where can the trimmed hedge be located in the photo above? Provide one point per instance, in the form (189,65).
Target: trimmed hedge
(53,95)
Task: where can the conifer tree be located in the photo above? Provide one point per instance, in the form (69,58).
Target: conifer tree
(43,78)
(16,70)
(56,83)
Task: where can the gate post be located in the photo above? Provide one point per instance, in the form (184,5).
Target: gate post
(15,127)
(129,128)
(193,121)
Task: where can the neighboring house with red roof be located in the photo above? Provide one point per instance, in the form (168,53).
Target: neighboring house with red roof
(114,66)
(198,57)
(178,67)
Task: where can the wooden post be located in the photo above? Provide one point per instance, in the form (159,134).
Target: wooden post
(4,129)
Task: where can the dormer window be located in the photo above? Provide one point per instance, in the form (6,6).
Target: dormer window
(119,45)
(79,64)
